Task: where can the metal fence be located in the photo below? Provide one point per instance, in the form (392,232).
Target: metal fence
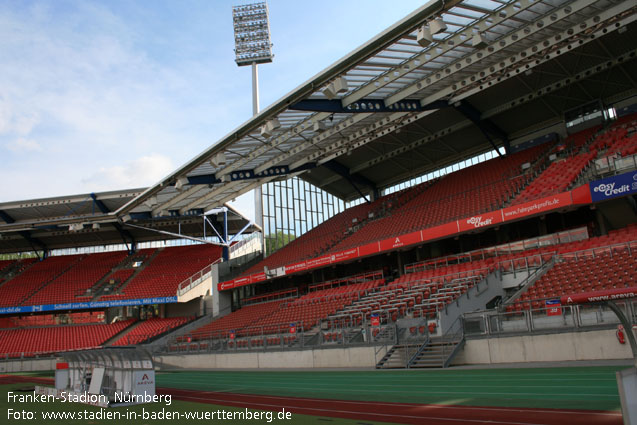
(545,320)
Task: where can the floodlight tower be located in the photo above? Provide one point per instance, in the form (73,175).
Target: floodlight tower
(252,47)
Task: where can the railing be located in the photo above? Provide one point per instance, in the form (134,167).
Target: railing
(454,337)
(601,250)
(504,249)
(363,277)
(280,337)
(271,296)
(242,247)
(535,275)
(543,320)
(615,164)
(196,279)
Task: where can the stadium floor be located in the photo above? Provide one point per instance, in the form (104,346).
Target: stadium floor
(572,395)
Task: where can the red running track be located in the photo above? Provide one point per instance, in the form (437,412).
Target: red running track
(419,414)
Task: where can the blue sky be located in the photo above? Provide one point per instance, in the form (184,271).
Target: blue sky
(113,95)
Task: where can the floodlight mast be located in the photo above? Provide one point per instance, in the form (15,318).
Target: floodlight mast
(253,46)
(252,41)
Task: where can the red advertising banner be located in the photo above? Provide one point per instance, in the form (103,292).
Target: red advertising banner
(296,267)
(256,278)
(478,221)
(538,206)
(597,296)
(440,231)
(350,254)
(317,262)
(399,241)
(582,194)
(369,249)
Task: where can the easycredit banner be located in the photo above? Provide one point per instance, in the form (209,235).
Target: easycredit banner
(478,221)
(614,187)
(488,219)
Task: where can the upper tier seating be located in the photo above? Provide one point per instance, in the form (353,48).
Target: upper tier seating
(475,189)
(620,139)
(479,188)
(78,279)
(66,279)
(162,276)
(150,328)
(24,285)
(46,340)
(321,237)
(556,178)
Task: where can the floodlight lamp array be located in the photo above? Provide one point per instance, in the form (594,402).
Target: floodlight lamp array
(252,34)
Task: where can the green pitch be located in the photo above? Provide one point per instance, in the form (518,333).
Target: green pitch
(593,388)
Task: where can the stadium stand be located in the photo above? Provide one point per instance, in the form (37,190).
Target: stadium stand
(54,319)
(479,188)
(150,328)
(44,340)
(240,319)
(74,278)
(585,272)
(74,283)
(17,290)
(475,189)
(556,178)
(164,273)
(600,263)
(324,236)
(306,311)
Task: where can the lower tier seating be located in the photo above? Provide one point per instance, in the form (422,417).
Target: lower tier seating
(589,271)
(150,328)
(46,340)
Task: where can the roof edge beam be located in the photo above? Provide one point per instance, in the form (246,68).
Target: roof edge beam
(365,106)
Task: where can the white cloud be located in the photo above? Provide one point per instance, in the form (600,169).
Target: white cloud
(140,172)
(245,204)
(24,145)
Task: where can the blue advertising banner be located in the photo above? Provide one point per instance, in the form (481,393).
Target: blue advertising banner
(81,306)
(613,187)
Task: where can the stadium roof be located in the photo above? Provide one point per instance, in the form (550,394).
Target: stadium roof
(496,72)
(89,220)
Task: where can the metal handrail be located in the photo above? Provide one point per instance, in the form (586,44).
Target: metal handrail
(196,279)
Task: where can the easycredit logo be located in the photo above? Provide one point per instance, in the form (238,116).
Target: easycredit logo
(478,222)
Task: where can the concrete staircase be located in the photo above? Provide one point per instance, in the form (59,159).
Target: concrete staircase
(398,356)
(437,353)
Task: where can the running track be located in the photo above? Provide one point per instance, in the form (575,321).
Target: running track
(420,414)
(401,412)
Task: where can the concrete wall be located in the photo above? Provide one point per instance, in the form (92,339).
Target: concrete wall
(357,357)
(191,308)
(204,288)
(221,301)
(31,365)
(593,345)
